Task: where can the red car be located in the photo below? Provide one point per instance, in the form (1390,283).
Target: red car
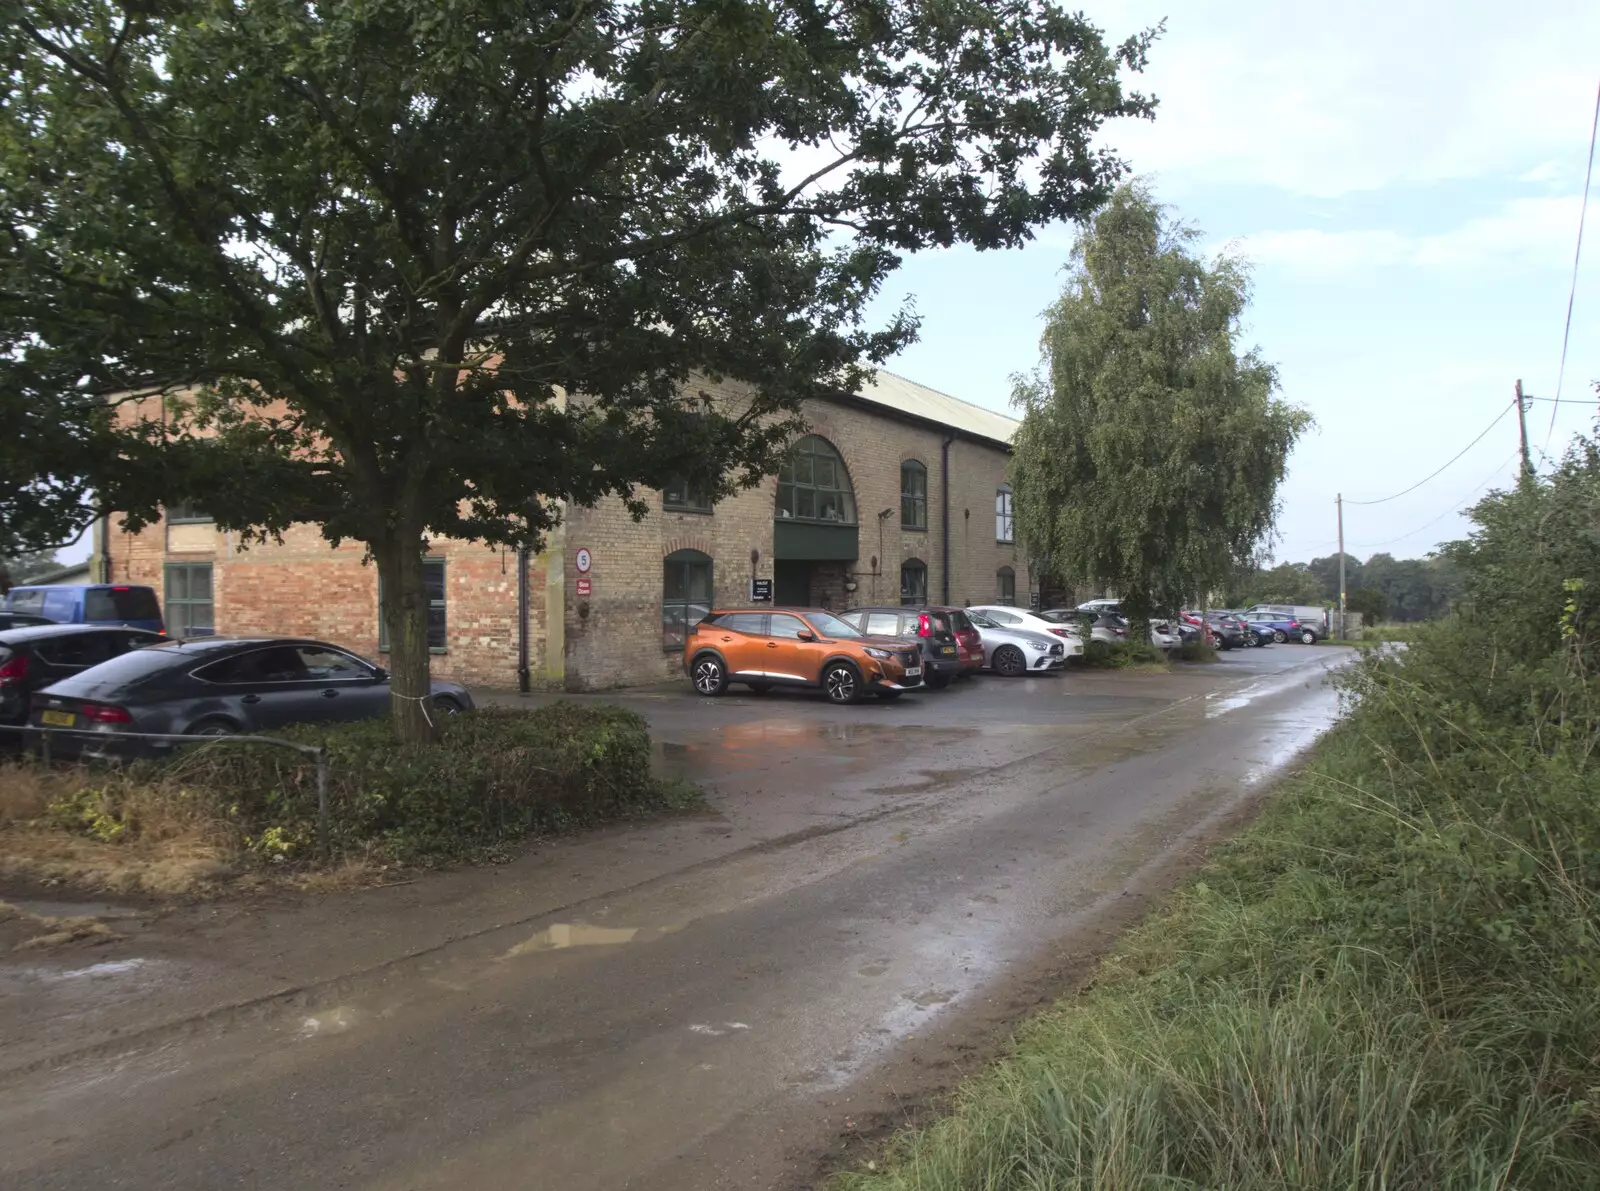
(969,644)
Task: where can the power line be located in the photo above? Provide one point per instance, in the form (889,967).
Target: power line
(1560,401)
(1453,458)
(1455,508)
(1577,254)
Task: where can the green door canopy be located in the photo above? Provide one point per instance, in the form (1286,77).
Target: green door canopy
(809,541)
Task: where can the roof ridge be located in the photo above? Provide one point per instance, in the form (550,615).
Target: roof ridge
(949,396)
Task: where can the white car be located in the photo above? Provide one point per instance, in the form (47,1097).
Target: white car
(1012,651)
(1020,618)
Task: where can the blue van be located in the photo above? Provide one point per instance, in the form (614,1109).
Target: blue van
(93,603)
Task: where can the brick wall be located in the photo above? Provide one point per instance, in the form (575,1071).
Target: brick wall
(613,637)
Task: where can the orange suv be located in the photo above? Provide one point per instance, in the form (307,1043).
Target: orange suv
(797,647)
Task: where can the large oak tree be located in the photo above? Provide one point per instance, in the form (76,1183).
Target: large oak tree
(426,267)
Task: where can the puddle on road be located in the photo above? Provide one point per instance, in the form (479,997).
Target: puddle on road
(562,935)
(100,971)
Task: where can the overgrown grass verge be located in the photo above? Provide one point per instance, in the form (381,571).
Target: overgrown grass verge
(1197,651)
(223,810)
(1389,981)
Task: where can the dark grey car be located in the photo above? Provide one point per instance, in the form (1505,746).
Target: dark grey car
(41,655)
(218,686)
(927,628)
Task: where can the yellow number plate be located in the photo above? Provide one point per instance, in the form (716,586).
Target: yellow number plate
(58,719)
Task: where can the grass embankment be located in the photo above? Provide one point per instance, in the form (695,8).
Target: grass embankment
(1390,981)
(220,810)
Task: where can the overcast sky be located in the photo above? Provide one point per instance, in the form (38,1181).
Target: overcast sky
(1406,179)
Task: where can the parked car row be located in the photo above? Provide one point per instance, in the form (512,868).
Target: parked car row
(114,682)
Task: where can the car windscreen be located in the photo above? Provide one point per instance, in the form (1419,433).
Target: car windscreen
(120,603)
(128,670)
(1058,617)
(830,625)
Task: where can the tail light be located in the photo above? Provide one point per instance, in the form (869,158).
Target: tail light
(1062,632)
(14,669)
(105,713)
(924,625)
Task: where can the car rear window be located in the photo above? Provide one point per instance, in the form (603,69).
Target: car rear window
(120,603)
(130,669)
(961,621)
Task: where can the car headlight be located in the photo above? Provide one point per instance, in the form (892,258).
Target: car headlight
(1038,646)
(883,655)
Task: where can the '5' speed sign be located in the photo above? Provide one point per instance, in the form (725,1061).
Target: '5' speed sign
(584,559)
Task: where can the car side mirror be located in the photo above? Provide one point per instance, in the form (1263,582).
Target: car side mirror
(379,674)
(806,635)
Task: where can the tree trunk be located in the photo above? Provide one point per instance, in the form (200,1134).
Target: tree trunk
(405,621)
(1136,611)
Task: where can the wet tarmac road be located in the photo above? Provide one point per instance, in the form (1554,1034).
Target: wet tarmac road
(687,1005)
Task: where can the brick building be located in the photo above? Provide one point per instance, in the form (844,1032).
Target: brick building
(899,492)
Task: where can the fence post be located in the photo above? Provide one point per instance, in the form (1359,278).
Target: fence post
(322,804)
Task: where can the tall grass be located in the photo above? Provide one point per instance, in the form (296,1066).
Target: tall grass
(1391,981)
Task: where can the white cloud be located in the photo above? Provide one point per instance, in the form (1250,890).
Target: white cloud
(1329,100)
(1533,232)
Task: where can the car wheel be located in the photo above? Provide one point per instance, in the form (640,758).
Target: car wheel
(212,728)
(890,696)
(1308,638)
(1279,636)
(445,705)
(1008,660)
(841,683)
(709,676)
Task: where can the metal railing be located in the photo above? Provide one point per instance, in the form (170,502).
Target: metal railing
(318,754)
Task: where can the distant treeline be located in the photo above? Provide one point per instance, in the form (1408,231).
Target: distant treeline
(1382,588)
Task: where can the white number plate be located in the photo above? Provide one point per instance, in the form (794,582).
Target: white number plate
(913,671)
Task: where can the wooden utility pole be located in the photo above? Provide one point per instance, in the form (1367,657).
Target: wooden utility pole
(1522,430)
(1339,504)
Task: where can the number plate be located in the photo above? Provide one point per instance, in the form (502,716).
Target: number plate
(58,719)
(913,671)
(947,649)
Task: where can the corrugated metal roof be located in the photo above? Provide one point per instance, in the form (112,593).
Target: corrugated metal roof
(907,396)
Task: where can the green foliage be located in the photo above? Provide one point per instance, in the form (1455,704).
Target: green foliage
(1367,603)
(1120,655)
(408,270)
(1197,651)
(1389,980)
(24,567)
(1151,447)
(491,777)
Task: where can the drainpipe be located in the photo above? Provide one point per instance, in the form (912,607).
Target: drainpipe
(523,683)
(944,520)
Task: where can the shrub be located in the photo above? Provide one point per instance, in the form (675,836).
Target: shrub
(1197,651)
(494,775)
(1106,655)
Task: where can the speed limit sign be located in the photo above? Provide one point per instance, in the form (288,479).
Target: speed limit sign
(585,560)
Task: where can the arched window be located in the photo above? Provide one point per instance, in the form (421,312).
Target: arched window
(1004,528)
(1005,583)
(913,495)
(913,582)
(814,486)
(685,596)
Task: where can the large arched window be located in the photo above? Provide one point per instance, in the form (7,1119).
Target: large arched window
(814,486)
(685,596)
(913,582)
(1005,584)
(913,495)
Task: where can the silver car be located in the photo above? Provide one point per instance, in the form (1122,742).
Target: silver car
(1008,617)
(1014,651)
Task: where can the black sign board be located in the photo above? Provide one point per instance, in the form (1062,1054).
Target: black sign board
(1033,600)
(760,591)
